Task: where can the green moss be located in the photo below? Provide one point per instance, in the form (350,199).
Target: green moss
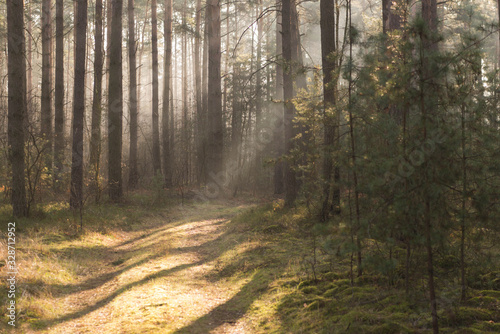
(491,280)
(318,302)
(464,316)
(310,290)
(331,292)
(466,331)
(389,328)
(305,283)
(488,326)
(484,301)
(273,229)
(358,294)
(332,276)
(490,293)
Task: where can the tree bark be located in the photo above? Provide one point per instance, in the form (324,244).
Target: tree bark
(95,136)
(198,85)
(46,97)
(498,51)
(59,95)
(16,103)
(167,155)
(215,135)
(115,103)
(328,49)
(132,88)
(258,94)
(76,199)
(155,124)
(184,125)
(29,57)
(236,118)
(279,185)
(390,19)
(291,187)
(429,102)
(202,154)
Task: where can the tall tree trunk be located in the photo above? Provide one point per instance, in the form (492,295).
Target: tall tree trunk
(327,23)
(29,56)
(291,187)
(279,184)
(300,81)
(258,94)
(167,155)
(109,15)
(202,154)
(132,88)
(198,84)
(357,227)
(225,98)
(429,102)
(59,95)
(390,19)
(184,80)
(95,136)
(155,124)
(76,199)
(236,118)
(46,97)
(16,103)
(215,135)
(498,55)
(115,103)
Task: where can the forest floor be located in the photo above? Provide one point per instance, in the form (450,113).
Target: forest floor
(228,266)
(139,269)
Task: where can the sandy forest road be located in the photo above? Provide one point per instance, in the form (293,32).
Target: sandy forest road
(158,282)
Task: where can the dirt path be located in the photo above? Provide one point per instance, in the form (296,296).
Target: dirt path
(156,282)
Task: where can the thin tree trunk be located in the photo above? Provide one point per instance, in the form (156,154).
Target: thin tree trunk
(46,97)
(198,84)
(29,56)
(464,208)
(184,79)
(155,124)
(429,101)
(167,154)
(289,113)
(76,199)
(215,135)
(279,185)
(132,50)
(353,155)
(328,49)
(59,95)
(390,20)
(236,118)
(95,136)
(202,154)
(115,103)
(16,104)
(258,94)
(226,64)
(498,50)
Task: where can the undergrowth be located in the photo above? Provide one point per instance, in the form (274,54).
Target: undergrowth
(288,275)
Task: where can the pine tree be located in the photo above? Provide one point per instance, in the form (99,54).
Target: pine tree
(132,50)
(76,199)
(17,104)
(115,103)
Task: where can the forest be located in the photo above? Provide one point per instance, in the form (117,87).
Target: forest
(261,166)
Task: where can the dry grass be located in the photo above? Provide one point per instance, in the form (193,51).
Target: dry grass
(143,270)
